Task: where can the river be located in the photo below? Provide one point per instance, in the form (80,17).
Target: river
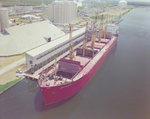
(120,89)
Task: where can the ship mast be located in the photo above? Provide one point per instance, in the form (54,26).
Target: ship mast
(100,30)
(93,33)
(85,40)
(71,53)
(55,67)
(105,32)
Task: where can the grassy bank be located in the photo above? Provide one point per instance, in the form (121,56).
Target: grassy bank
(23,21)
(9,84)
(81,8)
(81,21)
(4,61)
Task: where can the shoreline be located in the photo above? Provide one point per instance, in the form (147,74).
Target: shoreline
(7,88)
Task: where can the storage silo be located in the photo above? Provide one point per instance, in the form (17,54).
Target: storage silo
(73,11)
(62,11)
(4,18)
(69,12)
(51,12)
(0,27)
(65,12)
(61,6)
(58,11)
(122,4)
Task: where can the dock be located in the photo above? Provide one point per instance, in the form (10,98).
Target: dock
(30,76)
(35,76)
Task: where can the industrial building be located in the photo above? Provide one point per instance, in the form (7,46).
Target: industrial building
(29,17)
(23,8)
(62,11)
(10,9)
(4,19)
(19,39)
(44,54)
(122,4)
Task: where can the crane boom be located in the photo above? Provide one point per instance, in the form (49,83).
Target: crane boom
(55,67)
(105,32)
(85,40)
(100,30)
(93,33)
(71,53)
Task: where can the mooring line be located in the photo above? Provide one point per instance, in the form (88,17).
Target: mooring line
(17,94)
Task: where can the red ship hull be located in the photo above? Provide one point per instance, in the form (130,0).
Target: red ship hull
(58,93)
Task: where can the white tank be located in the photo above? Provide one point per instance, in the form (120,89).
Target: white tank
(122,4)
(4,18)
(79,4)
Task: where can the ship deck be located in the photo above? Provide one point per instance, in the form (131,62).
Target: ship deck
(47,78)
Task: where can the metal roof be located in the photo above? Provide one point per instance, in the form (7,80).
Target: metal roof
(53,44)
(20,39)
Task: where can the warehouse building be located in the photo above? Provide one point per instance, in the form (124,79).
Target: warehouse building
(62,11)
(19,39)
(44,54)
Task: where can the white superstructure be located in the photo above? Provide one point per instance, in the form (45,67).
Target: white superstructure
(113,28)
(62,11)
(122,4)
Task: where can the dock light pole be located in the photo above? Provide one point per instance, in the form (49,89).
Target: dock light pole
(85,40)
(71,53)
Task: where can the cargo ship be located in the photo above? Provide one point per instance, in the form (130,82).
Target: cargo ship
(72,72)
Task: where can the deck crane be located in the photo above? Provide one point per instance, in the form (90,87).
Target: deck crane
(71,48)
(55,67)
(93,33)
(100,30)
(105,32)
(85,40)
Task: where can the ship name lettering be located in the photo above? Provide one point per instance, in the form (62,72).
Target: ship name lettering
(65,86)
